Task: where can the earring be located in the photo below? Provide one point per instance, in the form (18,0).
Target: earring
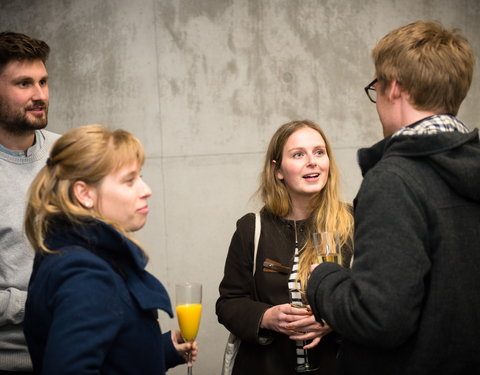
(88,204)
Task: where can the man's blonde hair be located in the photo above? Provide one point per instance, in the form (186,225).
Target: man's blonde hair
(433,64)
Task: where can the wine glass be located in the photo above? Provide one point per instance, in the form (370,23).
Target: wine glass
(327,247)
(299,301)
(189,308)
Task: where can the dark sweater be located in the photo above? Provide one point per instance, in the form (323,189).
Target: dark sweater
(92,308)
(410,304)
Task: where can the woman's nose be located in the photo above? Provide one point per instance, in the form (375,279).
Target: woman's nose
(312,160)
(146,191)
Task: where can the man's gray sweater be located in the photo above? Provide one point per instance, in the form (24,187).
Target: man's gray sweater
(17,170)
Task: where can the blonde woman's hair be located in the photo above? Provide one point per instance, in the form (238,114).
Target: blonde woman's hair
(87,153)
(433,64)
(329,213)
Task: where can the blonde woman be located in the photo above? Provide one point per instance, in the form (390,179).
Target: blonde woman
(299,189)
(91,306)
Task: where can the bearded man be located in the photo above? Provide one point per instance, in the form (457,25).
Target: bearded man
(24,148)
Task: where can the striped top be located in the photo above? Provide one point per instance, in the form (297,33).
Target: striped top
(296,297)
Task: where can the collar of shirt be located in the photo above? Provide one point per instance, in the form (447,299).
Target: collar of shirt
(433,125)
(39,140)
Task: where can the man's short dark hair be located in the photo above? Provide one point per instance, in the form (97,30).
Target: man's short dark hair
(16,46)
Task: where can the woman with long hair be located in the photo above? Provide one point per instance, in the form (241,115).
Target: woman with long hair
(300,192)
(91,305)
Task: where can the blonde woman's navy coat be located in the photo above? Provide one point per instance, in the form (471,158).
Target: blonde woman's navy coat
(92,307)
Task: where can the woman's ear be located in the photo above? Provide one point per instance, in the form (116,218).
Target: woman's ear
(278,172)
(85,194)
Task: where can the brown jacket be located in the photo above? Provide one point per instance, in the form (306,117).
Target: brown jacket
(244,300)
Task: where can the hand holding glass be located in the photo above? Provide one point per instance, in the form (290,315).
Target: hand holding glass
(306,366)
(189,309)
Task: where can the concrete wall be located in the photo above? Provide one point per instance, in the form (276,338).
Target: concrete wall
(204,84)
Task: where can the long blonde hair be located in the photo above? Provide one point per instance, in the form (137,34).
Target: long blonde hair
(329,213)
(87,153)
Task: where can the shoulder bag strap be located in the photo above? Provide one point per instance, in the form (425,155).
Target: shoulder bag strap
(258,229)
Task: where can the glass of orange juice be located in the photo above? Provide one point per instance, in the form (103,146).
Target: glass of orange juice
(189,309)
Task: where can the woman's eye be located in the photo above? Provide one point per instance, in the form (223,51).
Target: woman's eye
(130,181)
(297,154)
(320,152)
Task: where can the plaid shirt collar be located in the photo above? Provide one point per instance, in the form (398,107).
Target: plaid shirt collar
(433,125)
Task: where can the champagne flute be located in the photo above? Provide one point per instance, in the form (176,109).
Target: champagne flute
(306,366)
(189,309)
(327,247)
(299,301)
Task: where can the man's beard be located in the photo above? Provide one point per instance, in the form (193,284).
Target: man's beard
(18,122)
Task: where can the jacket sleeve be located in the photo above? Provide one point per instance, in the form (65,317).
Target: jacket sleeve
(236,308)
(86,315)
(172,357)
(378,301)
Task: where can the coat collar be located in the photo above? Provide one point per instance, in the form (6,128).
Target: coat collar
(120,252)
(412,146)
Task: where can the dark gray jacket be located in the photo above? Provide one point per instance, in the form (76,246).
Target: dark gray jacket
(411,303)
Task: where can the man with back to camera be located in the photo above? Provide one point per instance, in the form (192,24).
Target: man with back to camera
(24,147)
(410,304)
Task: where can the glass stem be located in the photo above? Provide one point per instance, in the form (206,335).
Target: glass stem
(307,363)
(189,363)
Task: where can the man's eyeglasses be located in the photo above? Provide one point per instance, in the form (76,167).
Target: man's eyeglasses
(371,91)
